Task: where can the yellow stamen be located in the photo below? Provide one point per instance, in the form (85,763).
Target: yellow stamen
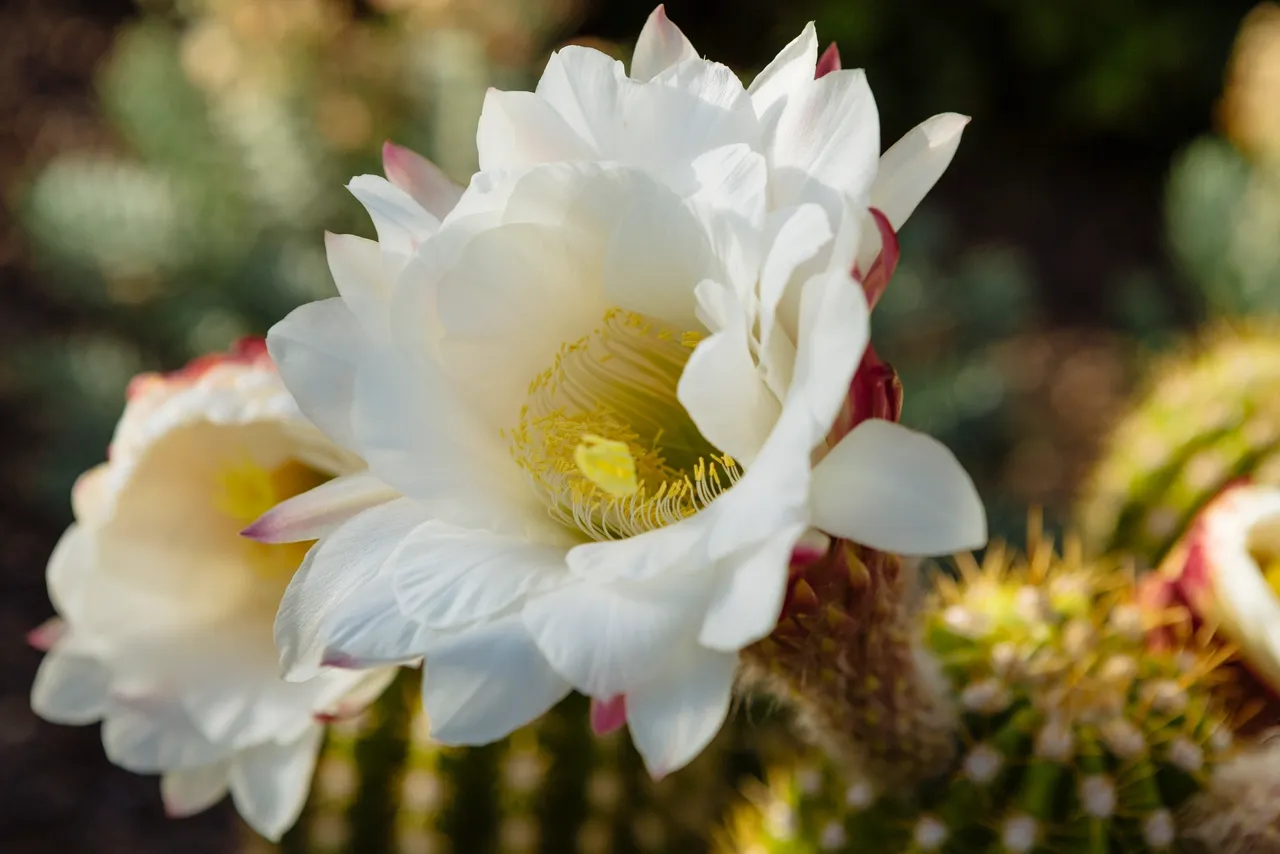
(608,464)
(654,469)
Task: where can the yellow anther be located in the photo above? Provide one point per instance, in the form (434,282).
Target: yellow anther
(608,464)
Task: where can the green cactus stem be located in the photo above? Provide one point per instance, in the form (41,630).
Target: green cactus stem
(1073,734)
(1210,416)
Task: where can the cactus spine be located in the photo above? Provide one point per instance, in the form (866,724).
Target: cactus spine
(1072,735)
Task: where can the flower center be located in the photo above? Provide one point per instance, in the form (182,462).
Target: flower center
(604,440)
(244,490)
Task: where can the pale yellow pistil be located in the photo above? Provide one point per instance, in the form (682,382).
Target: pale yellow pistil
(608,464)
(245,490)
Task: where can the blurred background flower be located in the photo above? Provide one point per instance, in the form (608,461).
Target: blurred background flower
(169,167)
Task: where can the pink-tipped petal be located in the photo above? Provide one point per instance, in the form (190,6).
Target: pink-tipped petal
(660,46)
(45,635)
(313,514)
(828,62)
(608,715)
(420,178)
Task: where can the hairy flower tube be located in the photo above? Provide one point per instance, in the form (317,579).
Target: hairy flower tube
(604,382)
(164,617)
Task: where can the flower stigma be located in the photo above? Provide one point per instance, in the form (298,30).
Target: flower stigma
(607,464)
(604,440)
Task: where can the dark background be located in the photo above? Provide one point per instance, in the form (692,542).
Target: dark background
(1038,276)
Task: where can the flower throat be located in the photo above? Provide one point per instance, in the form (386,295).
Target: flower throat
(604,439)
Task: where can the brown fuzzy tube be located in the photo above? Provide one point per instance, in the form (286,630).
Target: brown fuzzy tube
(848,656)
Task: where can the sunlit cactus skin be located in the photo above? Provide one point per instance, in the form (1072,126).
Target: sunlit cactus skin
(1073,735)
(1210,416)
(383,787)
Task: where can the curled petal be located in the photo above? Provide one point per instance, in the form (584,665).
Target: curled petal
(897,491)
(421,179)
(881,270)
(313,514)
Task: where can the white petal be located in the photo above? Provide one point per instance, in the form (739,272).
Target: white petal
(365,691)
(421,438)
(828,133)
(334,569)
(519,129)
(748,595)
(895,490)
(516,296)
(642,557)
(686,111)
(583,85)
(733,178)
(314,513)
(70,689)
(194,790)
(675,716)
(723,392)
(788,72)
(433,190)
(605,639)
(316,348)
(834,329)
(446,576)
(269,783)
(487,681)
(795,237)
(92,495)
(660,46)
(658,254)
(149,735)
(358,272)
(69,571)
(911,167)
(401,222)
(368,629)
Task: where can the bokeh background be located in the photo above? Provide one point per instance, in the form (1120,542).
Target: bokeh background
(169,166)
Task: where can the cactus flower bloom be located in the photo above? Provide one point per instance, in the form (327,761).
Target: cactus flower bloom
(1226,572)
(164,617)
(604,382)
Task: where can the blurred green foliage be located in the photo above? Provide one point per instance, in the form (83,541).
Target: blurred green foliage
(238,124)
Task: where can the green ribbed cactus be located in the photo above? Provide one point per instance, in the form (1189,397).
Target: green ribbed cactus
(1210,416)
(553,787)
(1072,734)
